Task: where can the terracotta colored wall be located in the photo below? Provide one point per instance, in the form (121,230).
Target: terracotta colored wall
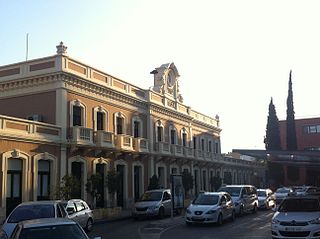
(91,104)
(304,140)
(23,106)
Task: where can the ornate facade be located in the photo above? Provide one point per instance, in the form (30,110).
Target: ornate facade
(60,116)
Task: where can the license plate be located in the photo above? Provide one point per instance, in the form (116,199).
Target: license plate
(292,229)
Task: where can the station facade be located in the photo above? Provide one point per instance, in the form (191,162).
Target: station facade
(59,116)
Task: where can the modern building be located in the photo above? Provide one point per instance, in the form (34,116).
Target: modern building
(59,116)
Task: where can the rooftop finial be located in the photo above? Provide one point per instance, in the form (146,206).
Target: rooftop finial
(61,49)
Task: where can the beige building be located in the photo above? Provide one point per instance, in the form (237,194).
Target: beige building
(60,116)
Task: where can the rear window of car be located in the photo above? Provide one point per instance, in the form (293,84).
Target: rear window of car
(233,191)
(299,205)
(34,211)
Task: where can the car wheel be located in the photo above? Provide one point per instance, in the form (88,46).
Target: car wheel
(88,227)
(241,211)
(161,212)
(233,216)
(220,220)
(254,209)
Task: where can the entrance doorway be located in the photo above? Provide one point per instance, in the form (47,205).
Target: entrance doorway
(76,171)
(100,169)
(120,192)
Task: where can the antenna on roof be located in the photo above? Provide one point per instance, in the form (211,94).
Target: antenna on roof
(27,46)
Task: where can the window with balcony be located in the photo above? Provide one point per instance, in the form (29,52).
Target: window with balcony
(119,125)
(202,144)
(77,115)
(160,134)
(136,129)
(184,139)
(194,142)
(210,146)
(173,136)
(100,121)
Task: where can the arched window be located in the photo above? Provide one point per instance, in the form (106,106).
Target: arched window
(119,123)
(159,131)
(100,117)
(173,134)
(137,127)
(77,113)
(184,137)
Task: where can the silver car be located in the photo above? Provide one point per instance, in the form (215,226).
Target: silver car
(49,228)
(211,207)
(153,203)
(266,198)
(245,197)
(297,217)
(32,210)
(79,211)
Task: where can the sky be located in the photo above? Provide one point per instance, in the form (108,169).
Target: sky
(232,55)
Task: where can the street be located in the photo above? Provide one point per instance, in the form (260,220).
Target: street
(248,226)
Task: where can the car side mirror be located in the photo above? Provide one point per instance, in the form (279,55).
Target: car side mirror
(70,210)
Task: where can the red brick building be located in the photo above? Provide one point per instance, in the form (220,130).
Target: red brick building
(307,131)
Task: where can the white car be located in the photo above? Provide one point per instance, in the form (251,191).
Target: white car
(79,211)
(282,193)
(211,207)
(49,228)
(266,199)
(32,210)
(297,217)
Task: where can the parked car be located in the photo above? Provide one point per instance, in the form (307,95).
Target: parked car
(79,211)
(304,190)
(297,217)
(153,203)
(245,197)
(49,228)
(281,193)
(211,207)
(266,198)
(33,210)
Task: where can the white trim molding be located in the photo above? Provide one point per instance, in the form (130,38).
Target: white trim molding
(83,113)
(100,109)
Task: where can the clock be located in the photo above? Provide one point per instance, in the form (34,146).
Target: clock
(170,79)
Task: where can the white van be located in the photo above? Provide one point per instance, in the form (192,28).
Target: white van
(245,197)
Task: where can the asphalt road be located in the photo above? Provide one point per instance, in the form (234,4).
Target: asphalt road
(246,227)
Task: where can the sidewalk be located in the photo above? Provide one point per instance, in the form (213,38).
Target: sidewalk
(123,215)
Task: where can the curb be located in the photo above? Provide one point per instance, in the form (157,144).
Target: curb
(114,219)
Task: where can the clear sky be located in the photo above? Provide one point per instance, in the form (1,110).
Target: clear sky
(232,55)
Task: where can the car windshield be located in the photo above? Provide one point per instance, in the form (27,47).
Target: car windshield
(34,211)
(206,199)
(233,191)
(261,193)
(283,190)
(151,196)
(299,205)
(53,232)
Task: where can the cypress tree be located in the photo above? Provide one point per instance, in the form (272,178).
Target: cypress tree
(291,125)
(272,140)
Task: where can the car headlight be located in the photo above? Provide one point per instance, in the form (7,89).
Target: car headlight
(211,211)
(275,221)
(188,211)
(315,221)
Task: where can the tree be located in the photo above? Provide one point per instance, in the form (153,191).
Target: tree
(92,187)
(291,125)
(67,187)
(187,181)
(216,182)
(272,140)
(154,183)
(113,184)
